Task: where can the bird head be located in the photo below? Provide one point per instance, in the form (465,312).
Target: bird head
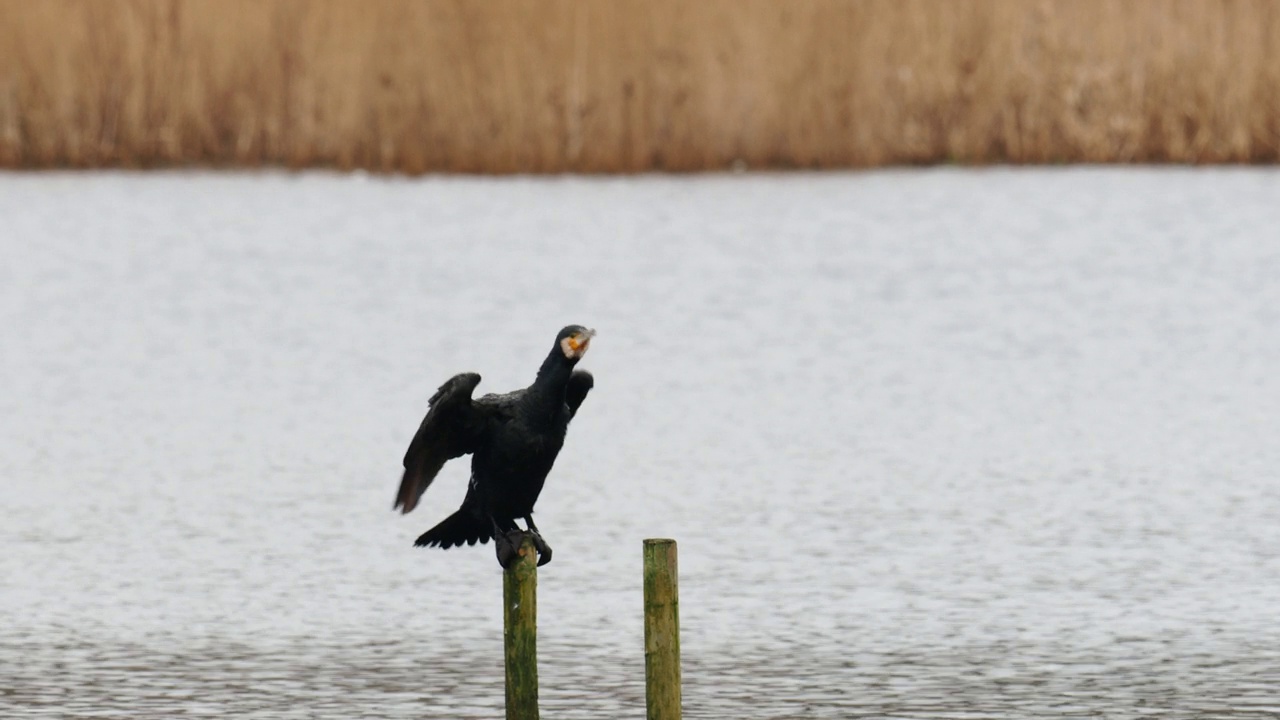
(574,340)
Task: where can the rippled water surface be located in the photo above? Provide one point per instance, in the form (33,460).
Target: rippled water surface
(944,444)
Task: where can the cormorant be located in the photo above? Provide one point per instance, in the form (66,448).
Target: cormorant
(513,440)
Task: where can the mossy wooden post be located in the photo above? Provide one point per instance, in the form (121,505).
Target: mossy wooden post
(520,633)
(661,630)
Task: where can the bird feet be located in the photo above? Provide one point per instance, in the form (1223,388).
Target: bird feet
(544,550)
(508,544)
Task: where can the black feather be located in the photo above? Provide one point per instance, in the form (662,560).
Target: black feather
(513,440)
(449,430)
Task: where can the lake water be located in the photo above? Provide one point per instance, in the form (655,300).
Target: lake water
(946,444)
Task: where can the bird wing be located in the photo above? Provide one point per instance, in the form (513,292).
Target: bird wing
(580,383)
(450,429)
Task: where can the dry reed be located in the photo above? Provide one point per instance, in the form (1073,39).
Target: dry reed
(631,85)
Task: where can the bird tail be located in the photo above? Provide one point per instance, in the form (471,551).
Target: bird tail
(462,527)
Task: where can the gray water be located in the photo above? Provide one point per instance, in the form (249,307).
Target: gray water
(945,444)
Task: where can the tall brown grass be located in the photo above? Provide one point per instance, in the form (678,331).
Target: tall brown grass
(628,85)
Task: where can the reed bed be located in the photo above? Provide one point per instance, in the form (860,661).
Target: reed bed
(635,85)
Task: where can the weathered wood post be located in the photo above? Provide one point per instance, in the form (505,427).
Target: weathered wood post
(661,630)
(520,633)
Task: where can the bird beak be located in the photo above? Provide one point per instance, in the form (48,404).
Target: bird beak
(578,343)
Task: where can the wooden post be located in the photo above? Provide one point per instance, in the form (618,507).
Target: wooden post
(661,630)
(520,633)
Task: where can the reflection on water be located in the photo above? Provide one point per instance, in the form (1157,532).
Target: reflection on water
(946,444)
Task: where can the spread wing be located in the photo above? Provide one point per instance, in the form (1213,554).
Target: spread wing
(580,383)
(449,430)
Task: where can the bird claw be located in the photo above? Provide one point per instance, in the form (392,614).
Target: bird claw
(544,550)
(507,546)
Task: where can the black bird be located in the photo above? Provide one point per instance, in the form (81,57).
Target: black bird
(513,440)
